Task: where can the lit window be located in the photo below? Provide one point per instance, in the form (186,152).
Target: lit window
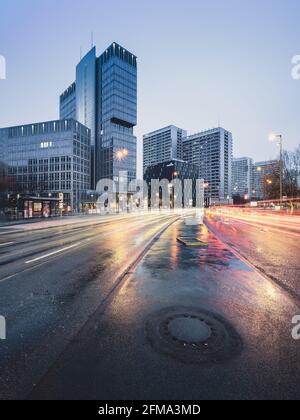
(46,144)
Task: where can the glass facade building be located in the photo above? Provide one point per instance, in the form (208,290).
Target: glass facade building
(46,159)
(105,101)
(172,170)
(68,103)
(118,113)
(86,105)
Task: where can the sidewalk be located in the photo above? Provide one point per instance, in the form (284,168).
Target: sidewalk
(147,344)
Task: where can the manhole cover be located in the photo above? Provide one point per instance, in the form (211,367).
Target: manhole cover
(189,330)
(193,335)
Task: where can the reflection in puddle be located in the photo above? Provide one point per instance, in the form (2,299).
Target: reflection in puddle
(172,256)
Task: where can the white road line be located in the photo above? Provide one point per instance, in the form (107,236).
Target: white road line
(53,253)
(11,232)
(7,243)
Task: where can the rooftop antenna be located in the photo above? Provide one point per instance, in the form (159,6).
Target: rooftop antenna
(92,39)
(80,52)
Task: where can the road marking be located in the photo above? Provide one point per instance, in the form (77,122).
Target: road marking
(7,243)
(53,253)
(82,244)
(11,232)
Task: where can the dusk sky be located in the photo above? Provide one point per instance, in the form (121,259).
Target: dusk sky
(199,61)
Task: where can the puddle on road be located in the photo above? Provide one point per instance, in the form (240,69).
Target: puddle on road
(215,257)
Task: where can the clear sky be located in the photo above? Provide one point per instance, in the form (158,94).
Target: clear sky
(200,62)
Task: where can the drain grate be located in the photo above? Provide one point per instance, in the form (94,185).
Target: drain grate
(192,335)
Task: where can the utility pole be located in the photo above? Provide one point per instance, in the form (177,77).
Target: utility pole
(280,140)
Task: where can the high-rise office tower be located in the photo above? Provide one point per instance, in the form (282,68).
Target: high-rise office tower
(104,98)
(212,151)
(68,103)
(163,145)
(242,177)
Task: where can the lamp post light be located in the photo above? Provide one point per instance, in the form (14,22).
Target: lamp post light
(121,154)
(278,137)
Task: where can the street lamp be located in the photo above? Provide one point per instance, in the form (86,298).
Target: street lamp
(278,137)
(121,154)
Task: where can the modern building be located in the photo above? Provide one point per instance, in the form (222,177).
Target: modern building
(212,151)
(49,160)
(68,103)
(260,173)
(163,145)
(104,99)
(242,177)
(172,170)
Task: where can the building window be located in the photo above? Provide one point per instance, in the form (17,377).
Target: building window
(46,144)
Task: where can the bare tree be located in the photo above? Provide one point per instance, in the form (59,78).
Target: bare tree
(291,172)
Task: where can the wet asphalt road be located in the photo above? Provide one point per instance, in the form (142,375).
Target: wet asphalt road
(52,281)
(123,353)
(270,242)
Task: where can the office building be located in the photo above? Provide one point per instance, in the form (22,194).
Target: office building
(47,161)
(68,103)
(104,99)
(242,177)
(172,170)
(212,151)
(163,145)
